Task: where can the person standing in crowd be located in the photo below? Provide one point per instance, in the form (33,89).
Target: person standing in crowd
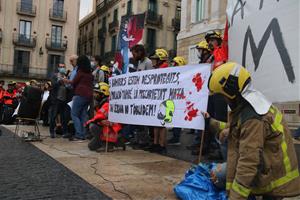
(160,60)
(141,63)
(261,155)
(97,73)
(73,62)
(139,55)
(83,95)
(58,101)
(46,104)
(175,140)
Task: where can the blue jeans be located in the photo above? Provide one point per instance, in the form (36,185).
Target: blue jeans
(79,115)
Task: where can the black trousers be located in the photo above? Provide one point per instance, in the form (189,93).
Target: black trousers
(56,108)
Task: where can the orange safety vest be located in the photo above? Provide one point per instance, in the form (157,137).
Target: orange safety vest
(109,133)
(9,97)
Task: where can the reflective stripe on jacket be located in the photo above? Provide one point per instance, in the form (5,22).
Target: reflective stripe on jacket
(261,155)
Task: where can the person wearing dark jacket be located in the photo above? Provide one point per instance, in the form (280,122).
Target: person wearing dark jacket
(83,95)
(58,101)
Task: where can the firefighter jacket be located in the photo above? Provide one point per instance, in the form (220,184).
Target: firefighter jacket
(109,133)
(261,157)
(9,98)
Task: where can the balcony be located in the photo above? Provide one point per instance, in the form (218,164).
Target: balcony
(176,24)
(56,45)
(24,40)
(153,19)
(58,15)
(105,5)
(23,72)
(102,33)
(113,26)
(91,35)
(26,9)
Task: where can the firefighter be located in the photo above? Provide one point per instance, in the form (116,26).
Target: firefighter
(261,158)
(106,72)
(204,53)
(100,127)
(178,61)
(10,95)
(218,47)
(160,59)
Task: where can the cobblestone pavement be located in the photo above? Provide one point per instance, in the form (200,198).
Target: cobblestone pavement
(28,173)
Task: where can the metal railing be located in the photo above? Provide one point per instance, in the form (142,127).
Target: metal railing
(56,45)
(23,71)
(26,9)
(24,40)
(154,19)
(113,26)
(58,15)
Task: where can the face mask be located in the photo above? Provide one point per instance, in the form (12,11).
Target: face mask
(62,70)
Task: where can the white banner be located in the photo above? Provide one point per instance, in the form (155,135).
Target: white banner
(264,37)
(171,97)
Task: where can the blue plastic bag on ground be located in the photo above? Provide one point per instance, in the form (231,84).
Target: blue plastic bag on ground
(197,185)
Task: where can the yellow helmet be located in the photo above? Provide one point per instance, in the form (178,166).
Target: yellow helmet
(180,61)
(104,88)
(213,35)
(161,54)
(104,68)
(229,80)
(202,45)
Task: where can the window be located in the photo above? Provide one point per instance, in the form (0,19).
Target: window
(152,6)
(115,15)
(58,8)
(56,36)
(193,58)
(104,22)
(151,40)
(200,10)
(102,48)
(129,7)
(25,29)
(26,5)
(175,41)
(178,12)
(113,43)
(91,48)
(21,62)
